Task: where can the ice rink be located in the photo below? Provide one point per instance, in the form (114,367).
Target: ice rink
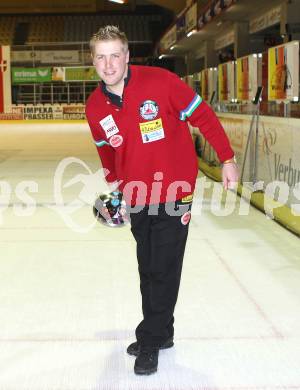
(69,287)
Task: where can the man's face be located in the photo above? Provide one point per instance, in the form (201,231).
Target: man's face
(110,59)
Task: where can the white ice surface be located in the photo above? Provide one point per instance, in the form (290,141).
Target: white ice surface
(69,300)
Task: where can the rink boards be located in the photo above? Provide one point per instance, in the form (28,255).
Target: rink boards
(277,156)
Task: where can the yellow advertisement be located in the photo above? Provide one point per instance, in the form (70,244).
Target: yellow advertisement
(283,72)
(226,78)
(223,83)
(149,127)
(212,81)
(248,76)
(209,81)
(243,87)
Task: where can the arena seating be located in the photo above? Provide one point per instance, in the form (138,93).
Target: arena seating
(46,29)
(75,28)
(7,28)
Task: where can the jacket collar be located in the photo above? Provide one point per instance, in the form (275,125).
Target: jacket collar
(115,99)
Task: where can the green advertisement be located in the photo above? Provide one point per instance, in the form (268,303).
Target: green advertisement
(82,73)
(31,75)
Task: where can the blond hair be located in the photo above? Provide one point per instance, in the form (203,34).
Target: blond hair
(108,33)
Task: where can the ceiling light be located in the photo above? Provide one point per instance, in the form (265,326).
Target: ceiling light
(117,1)
(190,33)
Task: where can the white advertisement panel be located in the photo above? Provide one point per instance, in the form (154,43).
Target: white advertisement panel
(74,112)
(60,56)
(15,114)
(224,40)
(226,79)
(46,56)
(283,72)
(248,77)
(265,20)
(26,56)
(209,83)
(43,111)
(212,81)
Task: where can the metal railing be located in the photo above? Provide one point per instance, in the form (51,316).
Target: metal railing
(58,91)
(283,109)
(52,93)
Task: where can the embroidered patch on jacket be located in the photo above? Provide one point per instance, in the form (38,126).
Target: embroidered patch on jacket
(185,219)
(149,109)
(187,199)
(109,126)
(152,131)
(116,141)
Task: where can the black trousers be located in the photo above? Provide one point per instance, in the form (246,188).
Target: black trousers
(161,241)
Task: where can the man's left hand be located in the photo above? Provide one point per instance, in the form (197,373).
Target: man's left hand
(230,176)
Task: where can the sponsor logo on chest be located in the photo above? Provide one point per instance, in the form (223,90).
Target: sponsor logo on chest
(116,141)
(109,126)
(152,131)
(187,199)
(185,219)
(148,109)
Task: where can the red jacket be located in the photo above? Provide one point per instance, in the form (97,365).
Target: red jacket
(146,144)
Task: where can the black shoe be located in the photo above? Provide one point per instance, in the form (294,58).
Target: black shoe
(134,348)
(147,361)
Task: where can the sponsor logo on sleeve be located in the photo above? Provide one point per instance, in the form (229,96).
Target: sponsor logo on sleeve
(109,126)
